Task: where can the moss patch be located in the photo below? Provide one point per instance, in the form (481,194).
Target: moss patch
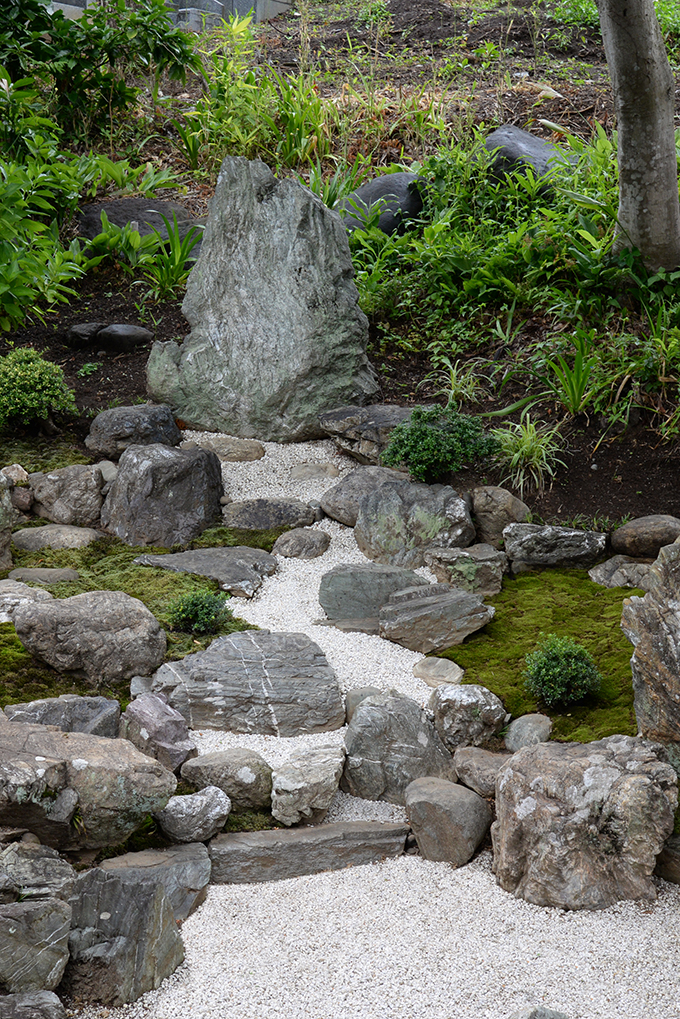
(213,537)
(42,454)
(251,820)
(567,603)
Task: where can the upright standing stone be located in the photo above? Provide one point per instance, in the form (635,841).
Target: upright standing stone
(277,335)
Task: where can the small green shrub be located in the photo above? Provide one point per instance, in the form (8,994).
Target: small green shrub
(200,612)
(436,440)
(561,671)
(32,389)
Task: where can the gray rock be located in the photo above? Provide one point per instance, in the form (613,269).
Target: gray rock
(38,870)
(477,769)
(580,825)
(545,545)
(22,501)
(313,472)
(114,430)
(527,731)
(538,1013)
(157,730)
(13,593)
(390,742)
(16,474)
(124,939)
(95,715)
(122,338)
(34,944)
(70,495)
(8,518)
(302,543)
(493,509)
(146,212)
(356,696)
(10,891)
(45,775)
(427,619)
(363,432)
(107,635)
(163,496)
(478,569)
(33,1005)
(304,786)
(44,575)
(252,857)
(237,569)
(645,536)
(255,681)
(183,871)
(342,501)
(438,671)
(229,448)
(277,335)
(514,149)
(623,571)
(466,715)
(267,514)
(196,817)
(55,536)
(668,860)
(448,820)
(352,591)
(242,774)
(399,522)
(398,195)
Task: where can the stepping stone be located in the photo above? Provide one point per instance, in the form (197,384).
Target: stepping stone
(32,539)
(302,543)
(313,472)
(433,618)
(229,449)
(268,514)
(438,671)
(253,857)
(238,569)
(44,575)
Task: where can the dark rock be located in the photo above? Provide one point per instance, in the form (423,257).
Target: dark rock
(163,496)
(70,495)
(356,696)
(342,501)
(44,575)
(478,568)
(251,857)
(267,514)
(668,860)
(304,786)
(363,432)
(55,536)
(237,569)
(645,536)
(145,212)
(514,149)
(242,774)
(22,501)
(157,730)
(33,1005)
(527,731)
(545,545)
(8,519)
(448,820)
(428,619)
(399,197)
(112,431)
(493,509)
(95,715)
(38,870)
(183,871)
(302,543)
(196,817)
(34,944)
(465,715)
(358,591)
(477,769)
(82,334)
(120,338)
(623,571)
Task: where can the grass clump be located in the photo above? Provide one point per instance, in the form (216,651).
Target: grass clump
(201,612)
(31,389)
(436,440)
(561,671)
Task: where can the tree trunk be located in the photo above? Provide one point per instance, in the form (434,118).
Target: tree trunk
(644,102)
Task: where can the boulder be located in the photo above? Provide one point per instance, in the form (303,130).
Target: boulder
(95,715)
(527,731)
(16,474)
(538,1013)
(255,681)
(112,431)
(623,571)
(267,514)
(44,575)
(163,496)
(196,817)
(668,860)
(228,447)
(513,149)
(580,825)
(304,786)
(55,536)
(106,635)
(146,213)
(390,742)
(399,522)
(429,619)
(397,195)
(477,769)
(466,715)
(493,509)
(13,593)
(546,545)
(157,730)
(39,871)
(478,568)
(644,537)
(363,432)
(342,501)
(123,338)
(358,591)
(22,501)
(47,775)
(32,1005)
(34,944)
(242,774)
(183,871)
(354,698)
(438,671)
(237,569)
(70,495)
(302,543)
(8,518)
(124,939)
(252,857)
(277,335)
(448,820)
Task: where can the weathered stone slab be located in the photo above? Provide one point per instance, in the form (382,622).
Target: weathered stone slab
(183,871)
(363,432)
(448,820)
(34,944)
(342,501)
(97,715)
(427,619)
(112,431)
(43,575)
(357,591)
(623,571)
(478,568)
(229,448)
(55,536)
(8,519)
(267,514)
(275,855)
(546,545)
(237,569)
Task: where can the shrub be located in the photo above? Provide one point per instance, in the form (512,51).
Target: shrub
(436,440)
(32,389)
(561,671)
(201,612)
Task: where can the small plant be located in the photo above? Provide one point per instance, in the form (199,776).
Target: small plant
(461,383)
(530,452)
(32,389)
(201,612)
(561,671)
(436,440)
(89,368)
(168,271)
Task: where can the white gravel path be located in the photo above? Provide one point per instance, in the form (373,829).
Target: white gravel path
(406,938)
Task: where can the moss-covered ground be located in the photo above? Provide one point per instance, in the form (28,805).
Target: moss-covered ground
(42,454)
(567,603)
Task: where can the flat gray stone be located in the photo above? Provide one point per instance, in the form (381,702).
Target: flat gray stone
(623,571)
(229,448)
(267,514)
(242,774)
(32,539)
(429,619)
(448,820)
(302,543)
(477,769)
(237,569)
(546,545)
(183,871)
(513,149)
(95,715)
(357,591)
(33,1005)
(313,472)
(253,857)
(438,671)
(44,575)
(528,730)
(399,197)
(363,432)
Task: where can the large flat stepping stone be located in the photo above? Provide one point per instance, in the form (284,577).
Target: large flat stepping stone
(253,857)
(433,618)
(277,684)
(358,591)
(44,575)
(32,539)
(238,569)
(267,514)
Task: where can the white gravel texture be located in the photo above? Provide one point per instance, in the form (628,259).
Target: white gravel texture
(406,938)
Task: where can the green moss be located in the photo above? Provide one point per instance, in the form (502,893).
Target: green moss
(567,603)
(216,536)
(42,454)
(251,820)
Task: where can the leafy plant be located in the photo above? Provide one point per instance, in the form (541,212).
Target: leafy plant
(460,383)
(529,452)
(32,389)
(436,440)
(89,368)
(168,270)
(200,612)
(561,671)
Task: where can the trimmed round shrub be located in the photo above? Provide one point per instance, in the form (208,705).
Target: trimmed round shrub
(436,440)
(201,612)
(561,671)
(31,388)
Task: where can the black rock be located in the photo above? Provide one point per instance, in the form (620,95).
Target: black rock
(400,196)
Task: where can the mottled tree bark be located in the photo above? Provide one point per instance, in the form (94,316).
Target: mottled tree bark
(644,94)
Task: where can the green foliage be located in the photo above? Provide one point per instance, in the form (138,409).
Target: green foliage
(169,270)
(561,671)
(436,440)
(32,389)
(48,454)
(529,452)
(251,820)
(200,612)
(584,12)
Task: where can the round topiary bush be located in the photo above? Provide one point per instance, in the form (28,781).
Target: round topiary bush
(201,612)
(561,671)
(32,388)
(436,440)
